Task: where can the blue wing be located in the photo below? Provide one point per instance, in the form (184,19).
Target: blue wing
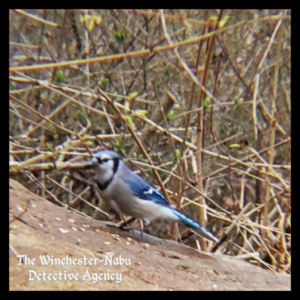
(143,190)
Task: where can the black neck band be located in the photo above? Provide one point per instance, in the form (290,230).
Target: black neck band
(103,186)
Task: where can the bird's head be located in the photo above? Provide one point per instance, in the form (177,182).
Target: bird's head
(104,162)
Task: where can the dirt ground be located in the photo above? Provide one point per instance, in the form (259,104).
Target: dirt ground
(86,254)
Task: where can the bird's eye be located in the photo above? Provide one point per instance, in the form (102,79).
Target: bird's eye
(105,160)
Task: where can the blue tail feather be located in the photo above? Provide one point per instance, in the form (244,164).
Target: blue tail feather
(189,222)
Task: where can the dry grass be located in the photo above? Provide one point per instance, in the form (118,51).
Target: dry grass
(198,101)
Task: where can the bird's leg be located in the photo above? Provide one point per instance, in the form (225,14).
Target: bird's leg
(132,228)
(140,236)
(144,223)
(142,231)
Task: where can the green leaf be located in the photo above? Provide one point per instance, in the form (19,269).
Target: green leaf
(233,146)
(167,71)
(90,21)
(103,81)
(60,76)
(49,147)
(127,106)
(80,115)
(150,171)
(178,154)
(238,101)
(88,143)
(132,96)
(224,20)
(120,37)
(130,123)
(50,167)
(51,127)
(140,112)
(170,115)
(206,103)
(119,145)
(213,18)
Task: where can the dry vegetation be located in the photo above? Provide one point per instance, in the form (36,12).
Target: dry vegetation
(196,101)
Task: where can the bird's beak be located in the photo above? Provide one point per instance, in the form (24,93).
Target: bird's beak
(91,163)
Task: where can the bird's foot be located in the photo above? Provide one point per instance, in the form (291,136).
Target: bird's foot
(138,236)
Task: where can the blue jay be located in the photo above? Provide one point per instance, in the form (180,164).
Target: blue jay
(129,194)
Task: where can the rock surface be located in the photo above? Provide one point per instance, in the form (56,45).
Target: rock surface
(42,228)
